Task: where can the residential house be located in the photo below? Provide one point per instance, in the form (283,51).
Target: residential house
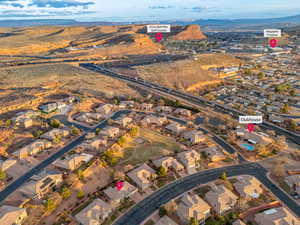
(191,205)
(294,183)
(220,198)
(275,119)
(24,119)
(165,220)
(110,131)
(154,120)
(214,153)
(123,121)
(143,176)
(183,112)
(105,109)
(83,117)
(257,138)
(175,128)
(238,222)
(40,184)
(72,162)
(10,215)
(95,213)
(94,143)
(126,104)
(49,107)
(55,133)
(190,159)
(32,148)
(116,195)
(276,216)
(248,187)
(5,164)
(194,136)
(146,106)
(163,109)
(169,163)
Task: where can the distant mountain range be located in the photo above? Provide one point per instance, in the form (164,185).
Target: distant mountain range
(206,24)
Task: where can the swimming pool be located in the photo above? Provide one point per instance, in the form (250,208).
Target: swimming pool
(247,147)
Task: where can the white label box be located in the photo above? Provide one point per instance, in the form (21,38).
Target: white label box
(159,28)
(272,33)
(250,119)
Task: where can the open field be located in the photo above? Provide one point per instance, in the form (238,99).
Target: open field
(187,74)
(155,145)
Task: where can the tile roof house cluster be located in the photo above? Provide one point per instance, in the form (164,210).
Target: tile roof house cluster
(10,215)
(54,133)
(73,161)
(191,205)
(175,128)
(95,213)
(294,182)
(165,220)
(248,187)
(142,176)
(40,184)
(110,131)
(194,136)
(146,106)
(220,198)
(32,148)
(276,216)
(154,120)
(169,163)
(116,195)
(190,159)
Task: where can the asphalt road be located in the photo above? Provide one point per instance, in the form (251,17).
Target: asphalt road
(37,169)
(146,207)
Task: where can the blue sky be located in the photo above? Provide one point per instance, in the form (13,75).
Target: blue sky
(137,10)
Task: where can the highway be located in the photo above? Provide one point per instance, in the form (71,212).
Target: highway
(23,179)
(189,98)
(142,210)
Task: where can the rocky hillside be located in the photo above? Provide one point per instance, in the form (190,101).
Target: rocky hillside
(190,32)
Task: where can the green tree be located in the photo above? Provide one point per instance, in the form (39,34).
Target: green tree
(50,205)
(55,123)
(97,131)
(134,131)
(80,174)
(162,211)
(162,171)
(2,175)
(74,130)
(293,125)
(37,133)
(122,140)
(285,108)
(194,221)
(57,140)
(8,123)
(223,176)
(261,75)
(293,92)
(80,194)
(66,193)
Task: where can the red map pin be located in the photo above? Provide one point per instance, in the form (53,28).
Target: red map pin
(250,127)
(159,37)
(273,43)
(120,185)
